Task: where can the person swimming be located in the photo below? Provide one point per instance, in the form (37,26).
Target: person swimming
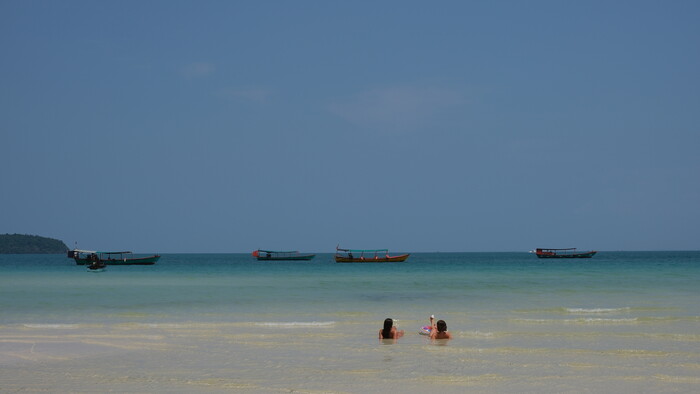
(438,330)
(389,331)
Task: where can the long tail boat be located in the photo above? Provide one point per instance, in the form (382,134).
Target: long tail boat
(263,255)
(568,253)
(367,256)
(85,257)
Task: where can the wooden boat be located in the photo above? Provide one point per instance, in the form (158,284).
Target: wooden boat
(568,253)
(96,266)
(367,256)
(83,257)
(263,255)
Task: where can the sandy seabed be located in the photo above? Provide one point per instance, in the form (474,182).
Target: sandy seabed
(342,357)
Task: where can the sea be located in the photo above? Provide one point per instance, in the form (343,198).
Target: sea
(620,322)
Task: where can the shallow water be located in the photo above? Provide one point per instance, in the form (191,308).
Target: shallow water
(619,322)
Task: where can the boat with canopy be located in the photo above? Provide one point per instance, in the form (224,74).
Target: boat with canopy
(567,253)
(87,257)
(263,255)
(367,256)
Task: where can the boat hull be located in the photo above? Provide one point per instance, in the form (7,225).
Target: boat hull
(386,259)
(287,258)
(584,255)
(150,260)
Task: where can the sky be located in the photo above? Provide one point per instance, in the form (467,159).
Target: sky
(452,126)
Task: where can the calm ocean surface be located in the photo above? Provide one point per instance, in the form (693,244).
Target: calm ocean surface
(619,322)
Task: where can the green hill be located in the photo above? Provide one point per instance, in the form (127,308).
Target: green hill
(30,244)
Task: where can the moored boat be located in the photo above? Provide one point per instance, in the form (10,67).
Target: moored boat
(95,264)
(267,255)
(83,257)
(367,256)
(567,253)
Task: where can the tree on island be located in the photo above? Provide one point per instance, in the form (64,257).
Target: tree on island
(30,244)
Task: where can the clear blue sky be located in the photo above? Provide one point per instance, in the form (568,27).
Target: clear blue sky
(227,126)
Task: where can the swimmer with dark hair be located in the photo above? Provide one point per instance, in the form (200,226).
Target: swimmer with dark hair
(389,331)
(439,330)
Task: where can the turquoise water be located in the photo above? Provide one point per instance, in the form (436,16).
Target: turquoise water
(619,322)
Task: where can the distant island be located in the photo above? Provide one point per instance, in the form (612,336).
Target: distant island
(30,244)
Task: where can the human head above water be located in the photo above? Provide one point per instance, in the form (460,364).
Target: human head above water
(441,326)
(386,332)
(388,323)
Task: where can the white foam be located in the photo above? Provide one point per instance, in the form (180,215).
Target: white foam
(296,324)
(60,326)
(163,325)
(596,310)
(583,320)
(604,321)
(477,334)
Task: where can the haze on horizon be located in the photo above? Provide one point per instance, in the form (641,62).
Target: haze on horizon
(184,126)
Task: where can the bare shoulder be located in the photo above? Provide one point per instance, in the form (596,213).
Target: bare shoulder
(441,335)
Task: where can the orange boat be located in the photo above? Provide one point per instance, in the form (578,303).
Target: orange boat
(367,256)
